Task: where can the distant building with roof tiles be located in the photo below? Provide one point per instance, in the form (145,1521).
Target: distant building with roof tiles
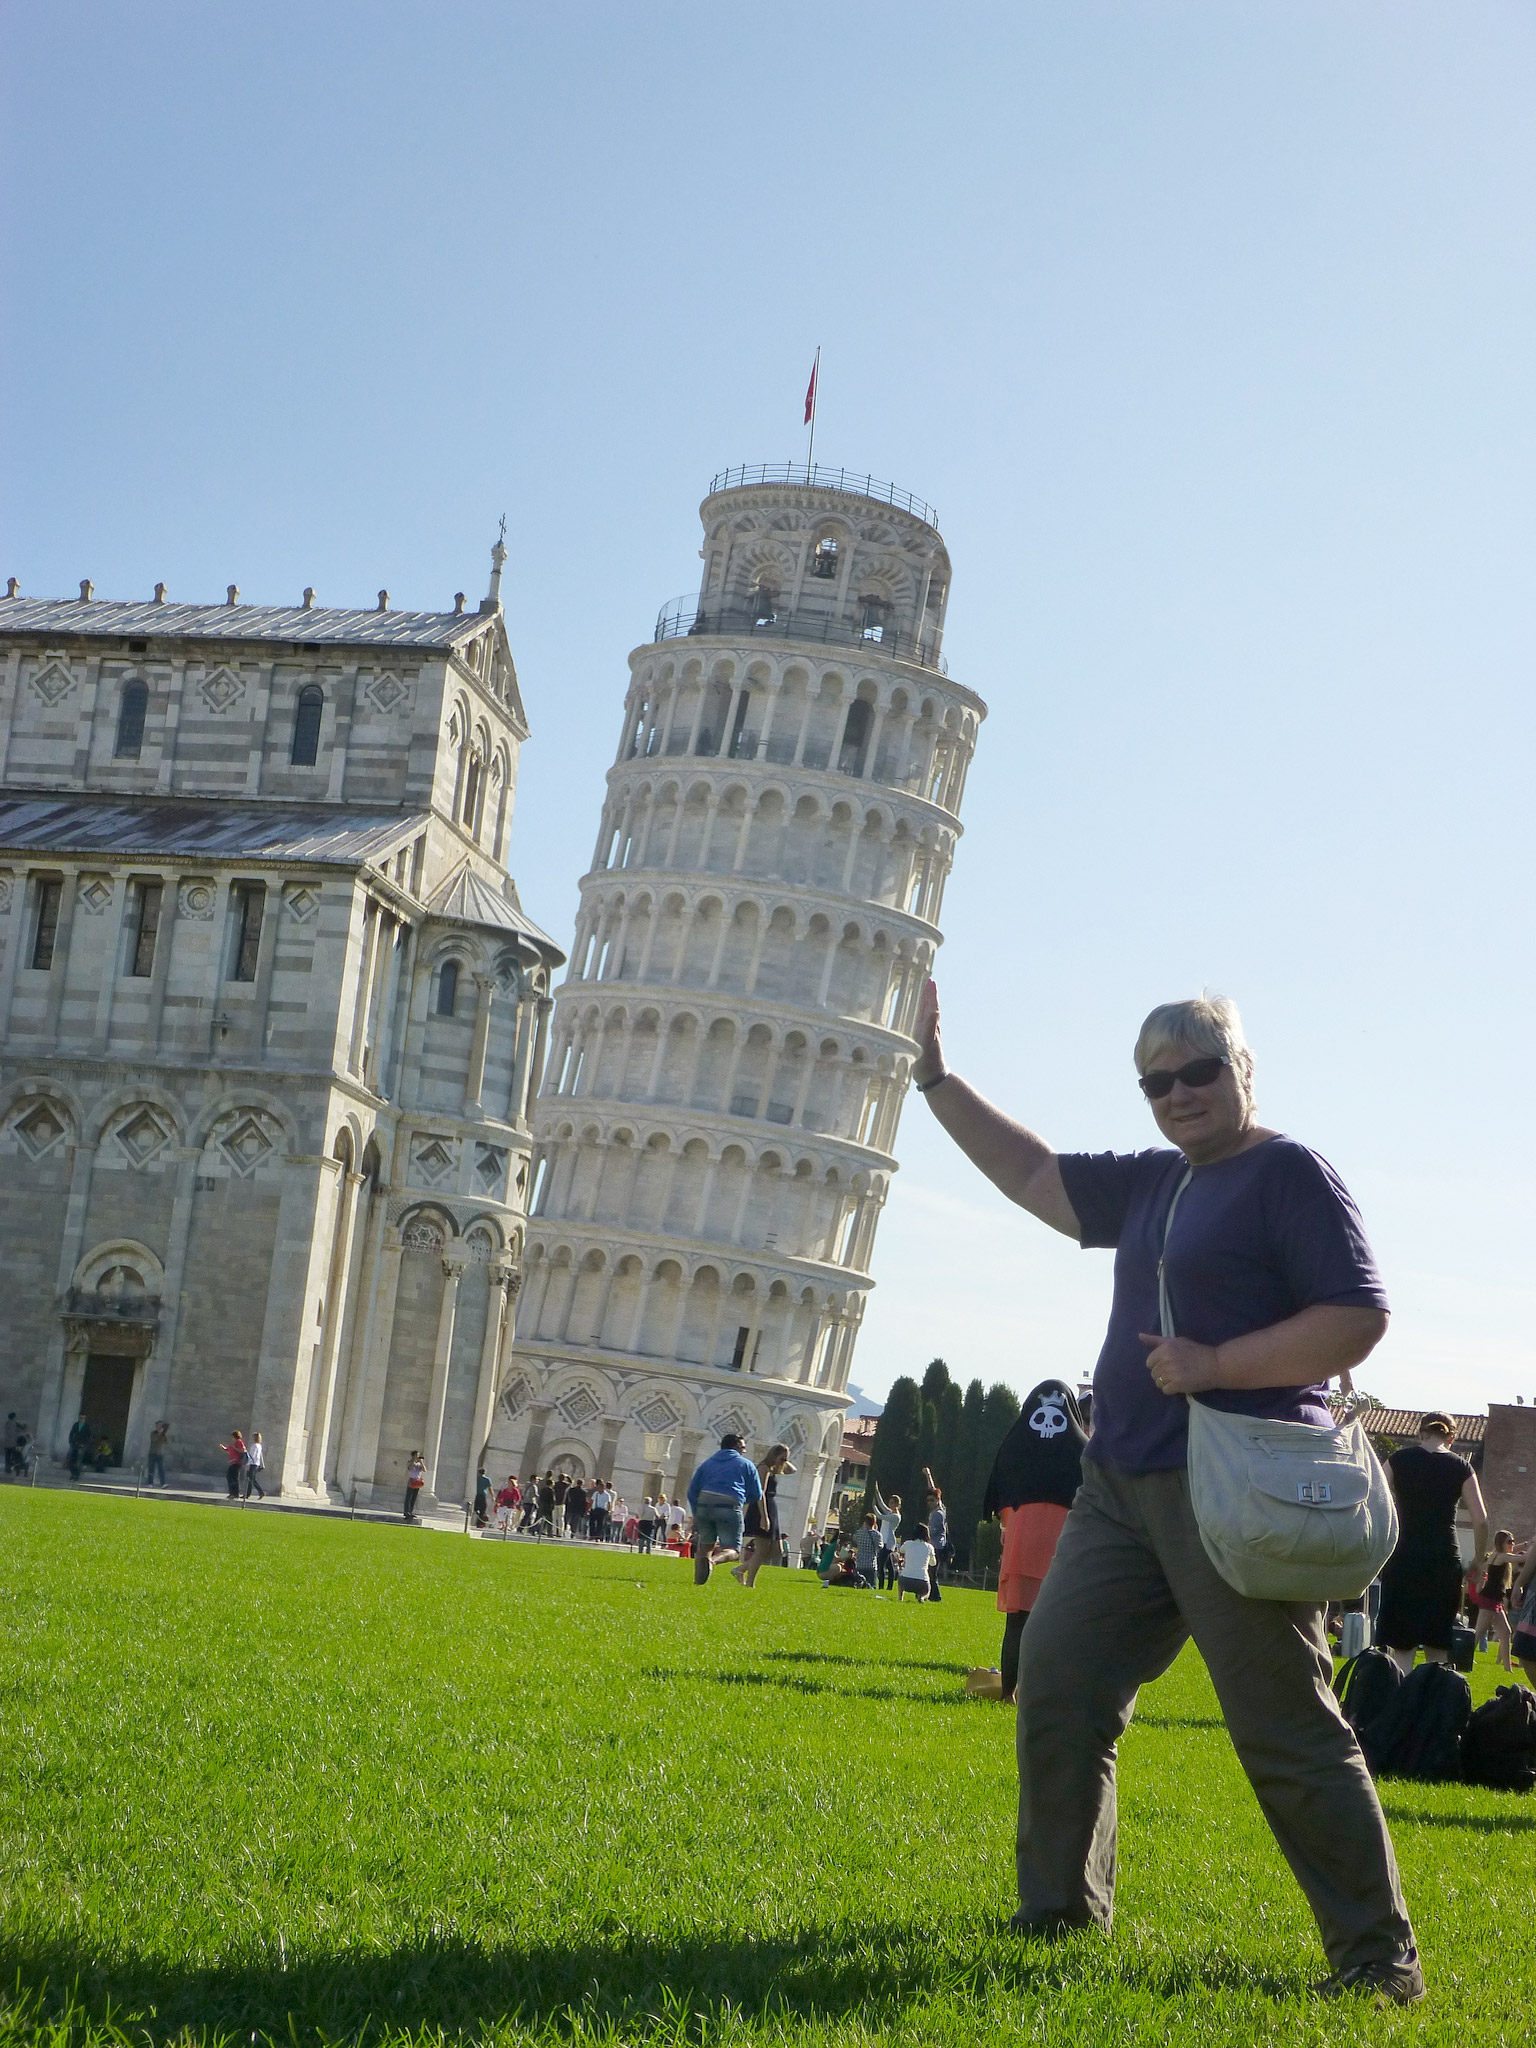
(271,1016)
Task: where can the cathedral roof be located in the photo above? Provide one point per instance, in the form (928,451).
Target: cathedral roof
(320,625)
(216,830)
(469,899)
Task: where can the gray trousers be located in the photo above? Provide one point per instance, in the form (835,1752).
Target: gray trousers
(1131,1583)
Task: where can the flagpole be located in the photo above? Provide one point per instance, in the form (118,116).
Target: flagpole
(815,399)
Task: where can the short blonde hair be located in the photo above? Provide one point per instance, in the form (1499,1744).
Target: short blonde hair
(1199,1024)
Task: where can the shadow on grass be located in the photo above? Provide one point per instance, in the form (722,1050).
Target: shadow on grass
(623,1982)
(865,1663)
(788,1681)
(1478,1823)
(1178,1721)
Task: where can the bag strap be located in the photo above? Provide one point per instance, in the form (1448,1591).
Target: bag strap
(1164,1306)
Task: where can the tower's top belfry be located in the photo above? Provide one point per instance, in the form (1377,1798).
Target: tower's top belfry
(819,555)
(728,1058)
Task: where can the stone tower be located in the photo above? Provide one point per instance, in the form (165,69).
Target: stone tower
(729,1054)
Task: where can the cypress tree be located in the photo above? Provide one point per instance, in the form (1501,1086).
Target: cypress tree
(967,1482)
(893,1454)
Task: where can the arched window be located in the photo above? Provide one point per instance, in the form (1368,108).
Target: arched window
(130,721)
(824,558)
(447,987)
(764,603)
(471,792)
(306,726)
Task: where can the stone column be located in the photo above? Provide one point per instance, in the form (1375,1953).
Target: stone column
(300,1253)
(541,1046)
(533,1444)
(687,1458)
(323,1394)
(474,1085)
(370,935)
(53,1424)
(360,1445)
(162,1360)
(453,1273)
(498,1317)
(522,1059)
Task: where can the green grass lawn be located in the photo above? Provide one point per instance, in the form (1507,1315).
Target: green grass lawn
(276,1777)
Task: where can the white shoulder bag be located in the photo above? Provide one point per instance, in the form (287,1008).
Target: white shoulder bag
(1286,1510)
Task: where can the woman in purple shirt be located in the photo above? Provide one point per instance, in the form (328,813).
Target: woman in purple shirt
(1274,1292)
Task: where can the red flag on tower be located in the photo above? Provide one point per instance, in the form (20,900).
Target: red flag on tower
(810,392)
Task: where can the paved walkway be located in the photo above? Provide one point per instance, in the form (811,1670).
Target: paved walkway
(447,1521)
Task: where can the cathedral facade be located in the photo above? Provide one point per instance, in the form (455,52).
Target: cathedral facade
(730,1051)
(271,1018)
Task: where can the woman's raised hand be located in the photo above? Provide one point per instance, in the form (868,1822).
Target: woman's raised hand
(930,1050)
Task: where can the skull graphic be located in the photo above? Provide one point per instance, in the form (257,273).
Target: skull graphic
(1048,1420)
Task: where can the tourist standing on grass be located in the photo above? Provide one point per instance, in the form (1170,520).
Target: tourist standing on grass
(575,1509)
(761,1523)
(1034,1480)
(1274,1291)
(889,1515)
(938,1530)
(237,1454)
(645,1526)
(415,1480)
(597,1517)
(1490,1597)
(1523,1601)
(80,1437)
(1421,1580)
(255,1465)
(719,1493)
(159,1437)
(914,1562)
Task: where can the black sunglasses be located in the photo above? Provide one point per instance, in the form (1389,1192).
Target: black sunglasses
(1194,1074)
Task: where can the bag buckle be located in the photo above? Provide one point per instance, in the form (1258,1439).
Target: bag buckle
(1316,1492)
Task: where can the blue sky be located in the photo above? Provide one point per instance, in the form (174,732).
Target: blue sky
(1207,327)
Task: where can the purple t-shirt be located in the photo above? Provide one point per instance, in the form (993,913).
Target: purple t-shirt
(1255,1239)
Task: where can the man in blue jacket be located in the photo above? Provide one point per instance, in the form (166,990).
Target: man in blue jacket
(718,1494)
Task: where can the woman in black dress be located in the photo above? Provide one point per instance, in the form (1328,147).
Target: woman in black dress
(1421,1581)
(762,1522)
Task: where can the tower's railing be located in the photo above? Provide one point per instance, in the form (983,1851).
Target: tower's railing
(684,619)
(824,479)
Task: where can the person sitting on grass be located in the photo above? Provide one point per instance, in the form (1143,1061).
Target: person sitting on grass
(866,1550)
(845,1572)
(718,1493)
(914,1560)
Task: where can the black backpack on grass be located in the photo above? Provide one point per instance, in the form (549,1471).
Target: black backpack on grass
(1365,1687)
(1419,1733)
(1499,1746)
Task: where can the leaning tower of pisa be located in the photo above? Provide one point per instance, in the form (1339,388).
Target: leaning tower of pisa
(716,1131)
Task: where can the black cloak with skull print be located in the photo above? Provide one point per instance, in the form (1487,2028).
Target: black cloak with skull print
(1041,1457)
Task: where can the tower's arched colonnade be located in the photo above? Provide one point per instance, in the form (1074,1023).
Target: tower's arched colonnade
(729,1054)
